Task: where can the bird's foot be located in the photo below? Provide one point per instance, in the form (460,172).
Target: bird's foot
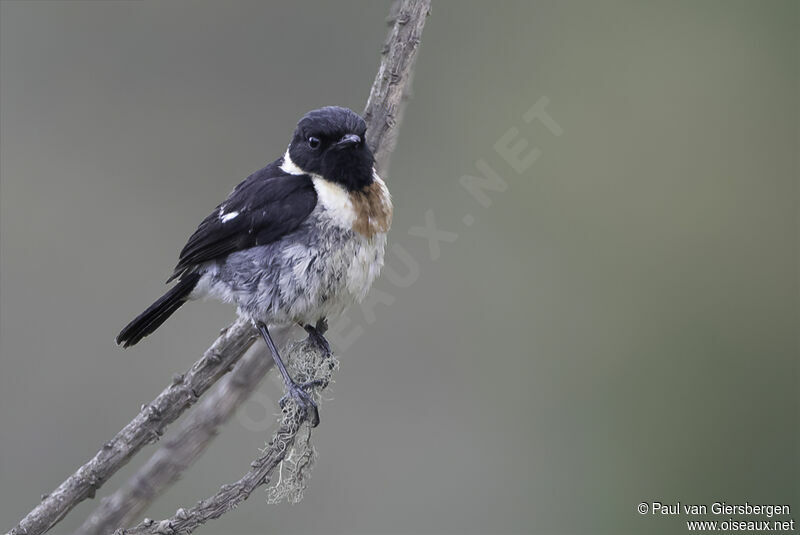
(304,401)
(314,383)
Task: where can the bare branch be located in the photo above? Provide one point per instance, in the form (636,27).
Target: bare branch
(316,363)
(382,114)
(386,101)
(145,428)
(180,450)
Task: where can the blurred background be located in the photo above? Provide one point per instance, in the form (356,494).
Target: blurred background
(619,325)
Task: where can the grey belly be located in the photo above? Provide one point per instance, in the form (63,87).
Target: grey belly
(312,273)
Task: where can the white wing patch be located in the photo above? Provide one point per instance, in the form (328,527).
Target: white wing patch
(227,217)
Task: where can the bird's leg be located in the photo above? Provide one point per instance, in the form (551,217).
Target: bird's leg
(300,396)
(316,334)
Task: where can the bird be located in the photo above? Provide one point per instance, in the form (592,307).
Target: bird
(295,242)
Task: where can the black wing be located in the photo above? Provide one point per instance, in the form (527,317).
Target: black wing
(266,206)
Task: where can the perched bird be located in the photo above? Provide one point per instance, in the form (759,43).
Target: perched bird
(296,242)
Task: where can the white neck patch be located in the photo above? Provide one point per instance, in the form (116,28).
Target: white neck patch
(336,202)
(289,167)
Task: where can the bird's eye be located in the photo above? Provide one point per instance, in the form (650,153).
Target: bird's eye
(313,142)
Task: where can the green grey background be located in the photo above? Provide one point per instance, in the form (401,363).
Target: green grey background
(619,325)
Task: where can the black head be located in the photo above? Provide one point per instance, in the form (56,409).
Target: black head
(330,142)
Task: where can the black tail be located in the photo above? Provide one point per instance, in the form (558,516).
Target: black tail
(157,313)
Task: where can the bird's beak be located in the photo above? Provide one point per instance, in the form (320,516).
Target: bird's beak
(350,140)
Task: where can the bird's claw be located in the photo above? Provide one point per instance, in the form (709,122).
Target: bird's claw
(304,401)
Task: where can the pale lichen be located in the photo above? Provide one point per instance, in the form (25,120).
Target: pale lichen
(308,364)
